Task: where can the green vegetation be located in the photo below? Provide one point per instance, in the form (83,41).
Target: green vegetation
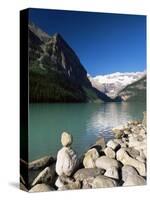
(54,88)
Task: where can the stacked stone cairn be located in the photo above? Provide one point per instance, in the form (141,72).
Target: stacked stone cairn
(119,162)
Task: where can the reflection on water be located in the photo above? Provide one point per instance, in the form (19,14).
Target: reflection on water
(85,122)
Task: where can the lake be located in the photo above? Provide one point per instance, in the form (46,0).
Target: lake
(85,121)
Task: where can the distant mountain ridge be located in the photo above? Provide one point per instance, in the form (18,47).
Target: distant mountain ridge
(135,91)
(111,84)
(55,71)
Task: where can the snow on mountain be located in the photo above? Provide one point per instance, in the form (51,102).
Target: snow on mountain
(111,84)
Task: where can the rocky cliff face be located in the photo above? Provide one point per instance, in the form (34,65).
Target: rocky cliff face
(56,73)
(135,91)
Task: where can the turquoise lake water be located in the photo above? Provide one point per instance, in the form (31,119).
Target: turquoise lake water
(85,121)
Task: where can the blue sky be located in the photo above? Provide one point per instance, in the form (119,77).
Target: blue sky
(104,43)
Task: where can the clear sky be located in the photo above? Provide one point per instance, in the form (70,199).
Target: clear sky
(104,43)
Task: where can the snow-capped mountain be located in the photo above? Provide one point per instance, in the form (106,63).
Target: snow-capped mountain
(111,84)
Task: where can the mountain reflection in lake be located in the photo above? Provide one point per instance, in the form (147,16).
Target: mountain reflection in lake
(85,121)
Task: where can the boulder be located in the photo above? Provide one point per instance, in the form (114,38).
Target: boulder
(63,180)
(66,161)
(71,186)
(132,152)
(86,173)
(112,173)
(112,144)
(105,162)
(66,139)
(109,152)
(128,170)
(46,176)
(121,142)
(87,183)
(41,188)
(125,159)
(103,182)
(118,132)
(41,163)
(90,158)
(134,180)
(101,142)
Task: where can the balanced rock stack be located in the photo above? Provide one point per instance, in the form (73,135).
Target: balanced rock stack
(119,162)
(66,163)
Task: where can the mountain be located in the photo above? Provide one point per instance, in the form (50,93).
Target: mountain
(135,91)
(111,84)
(55,71)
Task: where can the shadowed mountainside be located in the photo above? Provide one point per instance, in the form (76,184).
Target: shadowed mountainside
(56,73)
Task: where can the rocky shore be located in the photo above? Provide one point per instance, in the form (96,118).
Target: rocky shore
(119,162)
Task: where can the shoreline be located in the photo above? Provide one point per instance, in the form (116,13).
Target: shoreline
(118,162)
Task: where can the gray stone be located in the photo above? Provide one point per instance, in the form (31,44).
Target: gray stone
(86,173)
(134,180)
(41,163)
(103,182)
(105,162)
(71,186)
(87,183)
(41,188)
(45,176)
(112,144)
(128,170)
(109,152)
(63,180)
(90,158)
(66,161)
(132,152)
(123,157)
(118,132)
(112,173)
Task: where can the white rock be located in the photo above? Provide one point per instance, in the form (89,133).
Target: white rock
(103,182)
(63,180)
(112,144)
(66,139)
(66,161)
(59,182)
(105,162)
(41,188)
(123,157)
(134,180)
(128,170)
(112,173)
(71,186)
(45,176)
(109,152)
(90,158)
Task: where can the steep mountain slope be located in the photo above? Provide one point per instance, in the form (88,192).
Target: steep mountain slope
(135,91)
(56,73)
(111,84)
